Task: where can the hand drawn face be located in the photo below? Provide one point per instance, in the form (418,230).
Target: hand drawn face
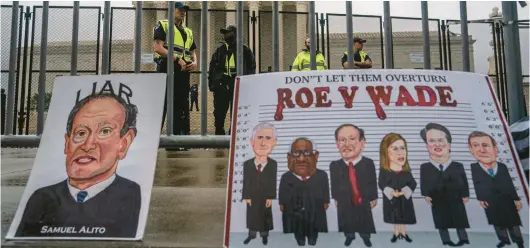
(95,146)
(349,144)
(302,159)
(263,142)
(483,150)
(437,144)
(397,153)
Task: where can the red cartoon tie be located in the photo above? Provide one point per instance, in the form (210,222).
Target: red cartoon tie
(357,199)
(304,178)
(259,167)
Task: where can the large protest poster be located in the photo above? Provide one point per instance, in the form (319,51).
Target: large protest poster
(321,157)
(94,169)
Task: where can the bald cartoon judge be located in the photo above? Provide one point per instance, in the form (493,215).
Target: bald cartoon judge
(93,201)
(494,189)
(353,185)
(444,185)
(259,182)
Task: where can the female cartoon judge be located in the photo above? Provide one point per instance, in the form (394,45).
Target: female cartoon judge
(397,184)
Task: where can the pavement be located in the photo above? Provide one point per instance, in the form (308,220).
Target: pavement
(188,206)
(187,203)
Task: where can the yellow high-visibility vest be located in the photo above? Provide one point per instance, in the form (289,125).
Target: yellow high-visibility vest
(303,62)
(363,55)
(230,64)
(181,49)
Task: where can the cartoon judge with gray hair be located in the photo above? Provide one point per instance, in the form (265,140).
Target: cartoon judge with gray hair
(259,182)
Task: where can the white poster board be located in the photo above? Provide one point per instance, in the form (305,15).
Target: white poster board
(314,104)
(93,172)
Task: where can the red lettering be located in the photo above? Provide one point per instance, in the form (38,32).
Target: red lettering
(309,96)
(405,97)
(322,98)
(377,97)
(348,98)
(445,96)
(284,98)
(421,96)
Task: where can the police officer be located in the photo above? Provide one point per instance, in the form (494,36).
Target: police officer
(222,74)
(303,59)
(361,60)
(185,61)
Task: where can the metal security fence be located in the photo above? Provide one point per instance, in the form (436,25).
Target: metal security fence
(5,48)
(368,27)
(411,33)
(295,27)
(105,42)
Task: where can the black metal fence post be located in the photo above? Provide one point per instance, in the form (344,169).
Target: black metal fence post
(4,98)
(21,113)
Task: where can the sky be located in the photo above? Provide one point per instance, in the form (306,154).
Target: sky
(437,9)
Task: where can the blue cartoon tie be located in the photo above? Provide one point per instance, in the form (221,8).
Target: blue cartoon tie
(491,172)
(81,196)
(441,168)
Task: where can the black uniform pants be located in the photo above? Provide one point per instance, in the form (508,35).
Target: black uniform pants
(515,233)
(194,100)
(461,232)
(181,89)
(222,102)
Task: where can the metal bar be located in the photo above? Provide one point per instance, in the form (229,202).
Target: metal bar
(439,42)
(313,37)
(381,42)
(111,31)
(514,70)
(500,75)
(449,56)
(444,45)
(426,38)
(98,42)
(275,38)
(31,71)
(170,66)
(349,33)
(466,66)
(175,141)
(239,38)
(322,23)
(138,38)
(504,77)
(497,85)
(106,39)
(204,65)
(75,39)
(42,74)
(327,41)
(12,69)
(21,115)
(316,29)
(388,35)
(253,20)
(19,61)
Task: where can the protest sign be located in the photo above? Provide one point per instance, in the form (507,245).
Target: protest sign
(93,172)
(318,153)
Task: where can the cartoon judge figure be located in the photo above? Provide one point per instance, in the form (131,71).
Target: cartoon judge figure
(397,184)
(444,185)
(100,129)
(304,193)
(259,182)
(353,185)
(494,189)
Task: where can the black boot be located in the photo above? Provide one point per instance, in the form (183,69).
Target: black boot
(406,237)
(394,238)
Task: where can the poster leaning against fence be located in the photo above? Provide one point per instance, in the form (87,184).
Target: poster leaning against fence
(320,157)
(93,172)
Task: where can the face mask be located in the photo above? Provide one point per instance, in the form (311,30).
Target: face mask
(229,38)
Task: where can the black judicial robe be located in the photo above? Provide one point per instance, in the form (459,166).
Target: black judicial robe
(304,202)
(399,210)
(116,208)
(354,218)
(258,187)
(446,189)
(499,193)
